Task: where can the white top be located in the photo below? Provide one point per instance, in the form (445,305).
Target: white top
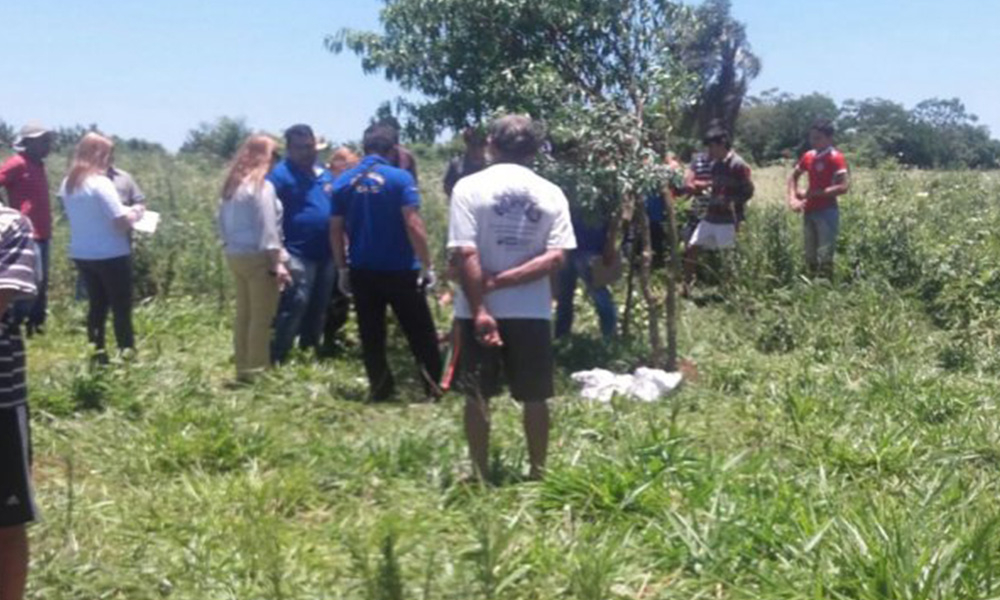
(250,221)
(92,209)
(510,215)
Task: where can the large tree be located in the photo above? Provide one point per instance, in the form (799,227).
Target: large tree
(603,74)
(714,47)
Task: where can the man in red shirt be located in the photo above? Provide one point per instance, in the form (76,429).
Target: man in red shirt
(828,179)
(26,183)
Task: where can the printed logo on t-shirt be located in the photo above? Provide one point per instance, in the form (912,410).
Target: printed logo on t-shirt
(820,166)
(13,501)
(328,189)
(368,183)
(515,204)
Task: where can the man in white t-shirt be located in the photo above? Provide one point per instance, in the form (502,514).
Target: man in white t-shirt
(508,232)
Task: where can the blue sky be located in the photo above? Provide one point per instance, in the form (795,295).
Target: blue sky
(155,68)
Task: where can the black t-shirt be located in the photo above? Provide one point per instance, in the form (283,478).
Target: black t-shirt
(460,167)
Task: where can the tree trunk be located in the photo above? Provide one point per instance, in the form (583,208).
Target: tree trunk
(673,274)
(646,282)
(629,284)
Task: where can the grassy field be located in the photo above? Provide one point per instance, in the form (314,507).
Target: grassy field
(839,441)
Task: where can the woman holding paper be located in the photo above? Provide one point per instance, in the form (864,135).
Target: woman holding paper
(250,227)
(99,226)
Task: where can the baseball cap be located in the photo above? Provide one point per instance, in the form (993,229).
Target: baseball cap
(30,131)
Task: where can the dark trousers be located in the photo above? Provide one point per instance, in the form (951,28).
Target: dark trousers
(109,287)
(374,291)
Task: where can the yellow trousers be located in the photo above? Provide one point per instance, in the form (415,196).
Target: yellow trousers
(256,304)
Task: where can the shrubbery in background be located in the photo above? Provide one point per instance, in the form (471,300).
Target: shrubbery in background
(934,134)
(220,139)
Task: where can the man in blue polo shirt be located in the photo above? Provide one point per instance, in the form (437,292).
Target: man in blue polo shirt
(305,190)
(380,247)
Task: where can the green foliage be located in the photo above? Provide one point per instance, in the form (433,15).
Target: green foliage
(220,139)
(774,125)
(714,47)
(839,440)
(602,75)
(7,134)
(935,133)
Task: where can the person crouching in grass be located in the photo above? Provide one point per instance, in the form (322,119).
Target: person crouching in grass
(250,227)
(18,280)
(99,225)
(828,180)
(731,187)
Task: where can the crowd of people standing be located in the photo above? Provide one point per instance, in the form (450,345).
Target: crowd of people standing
(301,239)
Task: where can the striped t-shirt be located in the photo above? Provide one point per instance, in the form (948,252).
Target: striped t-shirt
(18,272)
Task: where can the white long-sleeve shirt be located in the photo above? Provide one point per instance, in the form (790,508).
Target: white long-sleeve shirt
(250,221)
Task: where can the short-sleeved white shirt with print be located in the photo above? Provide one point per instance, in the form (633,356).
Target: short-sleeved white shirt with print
(510,215)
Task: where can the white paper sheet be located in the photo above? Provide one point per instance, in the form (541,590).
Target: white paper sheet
(148,223)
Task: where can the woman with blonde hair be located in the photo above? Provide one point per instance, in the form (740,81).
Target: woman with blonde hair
(99,225)
(250,227)
(342,159)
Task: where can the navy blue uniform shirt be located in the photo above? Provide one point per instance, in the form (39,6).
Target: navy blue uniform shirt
(371,197)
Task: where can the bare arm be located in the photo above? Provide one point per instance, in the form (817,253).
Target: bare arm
(126,221)
(416,231)
(537,268)
(794,201)
(466,262)
(694,186)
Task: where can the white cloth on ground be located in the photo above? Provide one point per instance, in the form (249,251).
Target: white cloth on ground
(647,385)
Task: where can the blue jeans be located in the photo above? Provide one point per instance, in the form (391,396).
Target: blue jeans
(821,229)
(33,312)
(302,308)
(578,267)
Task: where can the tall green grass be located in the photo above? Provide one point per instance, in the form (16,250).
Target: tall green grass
(839,442)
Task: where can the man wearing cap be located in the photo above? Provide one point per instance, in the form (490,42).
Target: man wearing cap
(26,183)
(305,189)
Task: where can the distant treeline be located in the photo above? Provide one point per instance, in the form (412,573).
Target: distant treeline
(934,134)
(67,137)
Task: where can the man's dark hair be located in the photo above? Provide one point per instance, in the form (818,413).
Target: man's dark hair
(516,138)
(298,131)
(390,121)
(379,139)
(718,135)
(824,126)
